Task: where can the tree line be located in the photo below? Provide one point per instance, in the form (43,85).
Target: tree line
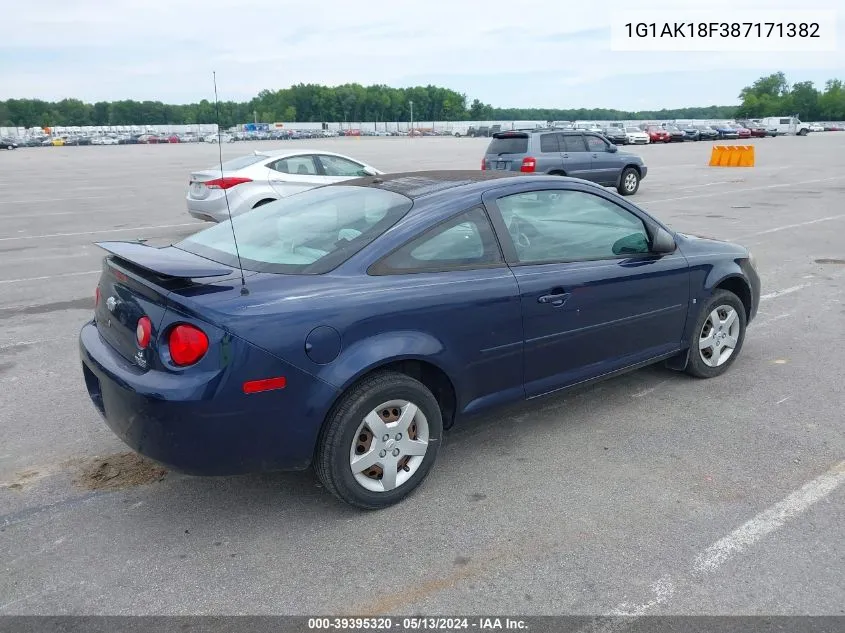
(773,96)
(356,103)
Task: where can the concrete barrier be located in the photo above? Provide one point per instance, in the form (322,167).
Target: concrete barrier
(732,156)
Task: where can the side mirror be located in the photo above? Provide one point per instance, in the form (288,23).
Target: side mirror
(662,242)
(612,149)
(369,171)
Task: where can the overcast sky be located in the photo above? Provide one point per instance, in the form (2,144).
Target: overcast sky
(507,53)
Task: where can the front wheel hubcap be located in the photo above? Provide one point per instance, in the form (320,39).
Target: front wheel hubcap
(630,182)
(389,446)
(719,336)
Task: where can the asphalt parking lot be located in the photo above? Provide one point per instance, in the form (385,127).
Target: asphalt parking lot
(653,493)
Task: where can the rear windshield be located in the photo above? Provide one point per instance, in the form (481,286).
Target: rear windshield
(242,161)
(309,233)
(508,145)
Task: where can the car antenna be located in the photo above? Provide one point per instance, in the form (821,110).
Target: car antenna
(244,289)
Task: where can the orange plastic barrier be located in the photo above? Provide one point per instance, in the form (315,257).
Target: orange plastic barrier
(732,156)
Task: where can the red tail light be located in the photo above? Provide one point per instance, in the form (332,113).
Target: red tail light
(226,183)
(97,297)
(187,344)
(483,164)
(143,332)
(528,165)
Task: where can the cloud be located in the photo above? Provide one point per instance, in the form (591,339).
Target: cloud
(530,53)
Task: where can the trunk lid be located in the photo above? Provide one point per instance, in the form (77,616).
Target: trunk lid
(196,183)
(137,280)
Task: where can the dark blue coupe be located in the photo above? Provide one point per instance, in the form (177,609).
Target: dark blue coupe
(374,313)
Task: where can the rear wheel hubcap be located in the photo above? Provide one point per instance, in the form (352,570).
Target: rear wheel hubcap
(389,446)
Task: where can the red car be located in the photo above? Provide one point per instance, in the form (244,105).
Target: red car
(173,139)
(756,130)
(743,132)
(657,134)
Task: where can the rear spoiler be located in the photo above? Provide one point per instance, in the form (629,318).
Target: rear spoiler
(510,134)
(168,261)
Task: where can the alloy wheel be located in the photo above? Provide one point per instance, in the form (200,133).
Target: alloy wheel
(719,336)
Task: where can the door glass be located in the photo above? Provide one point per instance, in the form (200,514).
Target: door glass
(595,144)
(337,166)
(549,143)
(300,165)
(564,226)
(573,143)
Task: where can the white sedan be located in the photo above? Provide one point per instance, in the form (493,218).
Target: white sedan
(816,127)
(264,176)
(636,136)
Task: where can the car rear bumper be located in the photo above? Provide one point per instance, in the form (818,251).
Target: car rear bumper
(204,424)
(212,209)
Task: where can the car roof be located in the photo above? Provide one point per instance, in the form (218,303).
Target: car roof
(542,130)
(419,184)
(280,153)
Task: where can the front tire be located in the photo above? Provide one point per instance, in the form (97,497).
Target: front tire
(379,441)
(629,182)
(718,335)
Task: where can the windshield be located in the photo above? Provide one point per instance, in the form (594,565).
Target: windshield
(633,129)
(311,232)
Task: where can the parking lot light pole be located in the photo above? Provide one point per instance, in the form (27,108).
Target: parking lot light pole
(411,103)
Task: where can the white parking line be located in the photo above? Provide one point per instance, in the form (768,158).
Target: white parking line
(797,225)
(134,228)
(14,281)
(770,520)
(785,291)
(30,200)
(706,184)
(728,192)
(739,540)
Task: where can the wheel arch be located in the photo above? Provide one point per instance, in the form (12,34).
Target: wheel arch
(633,166)
(414,354)
(739,286)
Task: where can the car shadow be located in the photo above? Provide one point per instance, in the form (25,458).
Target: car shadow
(299,499)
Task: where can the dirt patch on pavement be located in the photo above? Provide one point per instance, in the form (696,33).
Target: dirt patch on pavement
(115,472)
(827,260)
(22,478)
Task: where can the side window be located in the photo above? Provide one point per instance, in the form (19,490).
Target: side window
(549,143)
(785,121)
(561,226)
(466,241)
(573,143)
(301,165)
(337,166)
(595,144)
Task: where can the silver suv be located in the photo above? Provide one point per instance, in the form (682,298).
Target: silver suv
(574,153)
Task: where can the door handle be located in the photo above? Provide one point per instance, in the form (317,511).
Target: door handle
(557,297)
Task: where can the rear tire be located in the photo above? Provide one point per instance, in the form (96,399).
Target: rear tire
(718,335)
(402,410)
(629,182)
